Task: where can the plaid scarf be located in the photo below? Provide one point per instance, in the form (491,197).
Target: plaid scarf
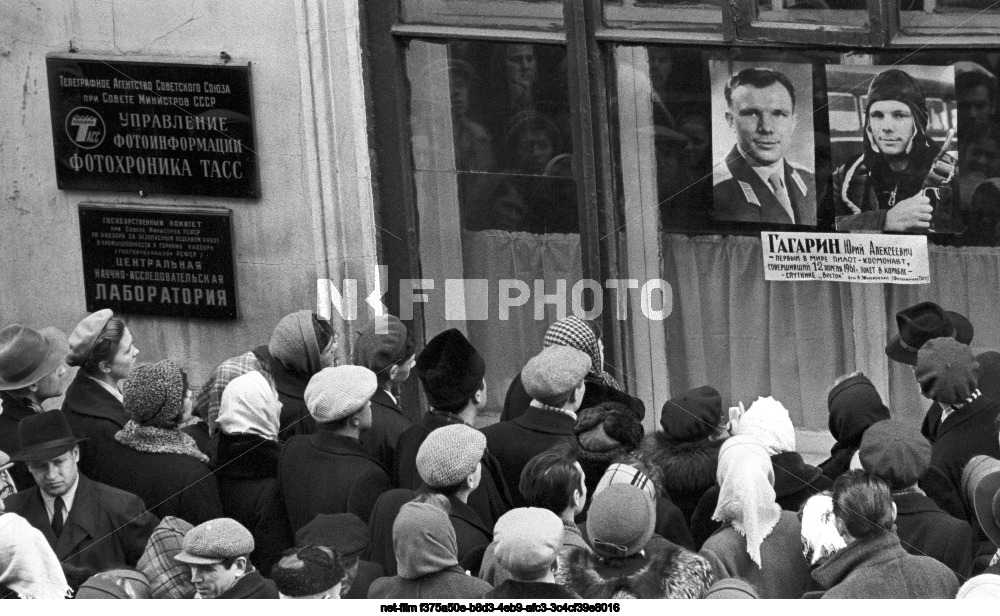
(574,332)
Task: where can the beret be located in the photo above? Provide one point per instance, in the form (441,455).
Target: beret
(554,373)
(383,342)
(339,392)
(946,370)
(115,584)
(527,540)
(214,541)
(344,532)
(84,337)
(451,370)
(692,416)
(153,394)
(896,452)
(450,454)
(621,520)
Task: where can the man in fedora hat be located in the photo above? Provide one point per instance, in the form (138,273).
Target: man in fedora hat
(91,527)
(32,370)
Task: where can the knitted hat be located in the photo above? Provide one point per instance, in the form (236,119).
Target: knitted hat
(527,541)
(383,342)
(294,343)
(214,541)
(692,416)
(307,571)
(344,532)
(768,420)
(922,322)
(451,370)
(946,370)
(620,521)
(608,426)
(627,474)
(115,584)
(84,337)
(339,392)
(731,588)
(983,586)
(153,394)
(896,85)
(552,375)
(450,454)
(895,452)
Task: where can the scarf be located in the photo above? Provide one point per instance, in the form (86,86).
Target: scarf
(150,439)
(574,332)
(768,421)
(820,538)
(30,567)
(746,492)
(250,406)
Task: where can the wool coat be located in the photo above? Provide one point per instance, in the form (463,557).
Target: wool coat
(784,572)
(687,467)
(106,528)
(965,433)
(94,414)
(389,422)
(246,470)
(171,484)
(490,500)
(515,442)
(879,568)
(251,586)
(367,573)
(516,589)
(470,531)
(291,387)
(14,410)
(451,583)
(660,570)
(925,530)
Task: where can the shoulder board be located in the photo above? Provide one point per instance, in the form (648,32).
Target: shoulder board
(799,182)
(749,193)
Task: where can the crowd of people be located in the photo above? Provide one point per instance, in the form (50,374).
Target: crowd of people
(290,476)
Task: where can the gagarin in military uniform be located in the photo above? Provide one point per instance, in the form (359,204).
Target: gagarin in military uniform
(741,194)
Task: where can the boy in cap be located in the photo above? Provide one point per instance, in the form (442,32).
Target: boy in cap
(452,374)
(348,535)
(899,455)
(449,462)
(218,553)
(32,370)
(948,374)
(554,380)
(328,471)
(309,572)
(385,347)
(528,542)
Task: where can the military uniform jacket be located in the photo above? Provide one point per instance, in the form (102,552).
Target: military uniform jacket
(741,195)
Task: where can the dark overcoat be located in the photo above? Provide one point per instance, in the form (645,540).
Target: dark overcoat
(94,414)
(925,530)
(517,399)
(451,583)
(251,586)
(389,422)
(14,410)
(247,470)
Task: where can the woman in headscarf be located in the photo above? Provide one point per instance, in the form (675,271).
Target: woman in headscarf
(248,451)
(854,405)
(153,458)
(102,347)
(600,386)
(29,569)
(758,542)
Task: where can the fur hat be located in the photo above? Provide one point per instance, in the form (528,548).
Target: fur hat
(768,420)
(84,337)
(153,394)
(620,521)
(608,426)
(693,415)
(896,85)
(339,392)
(450,454)
(214,541)
(896,452)
(307,571)
(527,541)
(946,370)
(451,370)
(552,375)
(383,342)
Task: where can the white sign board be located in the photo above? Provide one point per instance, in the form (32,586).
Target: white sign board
(845,257)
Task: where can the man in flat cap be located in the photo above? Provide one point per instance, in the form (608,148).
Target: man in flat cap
(449,462)
(325,472)
(91,527)
(32,369)
(309,572)
(218,552)
(898,454)
(452,373)
(948,374)
(386,348)
(554,380)
(528,542)
(348,535)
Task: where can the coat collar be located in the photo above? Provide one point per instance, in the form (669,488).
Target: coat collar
(977,410)
(468,515)
(85,396)
(546,421)
(15,409)
(340,445)
(882,548)
(382,398)
(80,523)
(914,503)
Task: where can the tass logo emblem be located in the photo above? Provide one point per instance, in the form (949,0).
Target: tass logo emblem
(85,128)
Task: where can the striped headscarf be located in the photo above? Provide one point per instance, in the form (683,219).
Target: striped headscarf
(625,473)
(574,332)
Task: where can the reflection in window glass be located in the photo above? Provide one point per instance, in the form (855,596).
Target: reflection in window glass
(844,113)
(513,149)
(949,5)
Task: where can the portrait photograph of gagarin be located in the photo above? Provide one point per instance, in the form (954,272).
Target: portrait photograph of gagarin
(762,132)
(893,148)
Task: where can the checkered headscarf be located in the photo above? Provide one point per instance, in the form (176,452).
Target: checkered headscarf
(574,332)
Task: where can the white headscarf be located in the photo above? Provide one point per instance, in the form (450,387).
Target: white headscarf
(28,566)
(746,491)
(768,420)
(250,406)
(819,534)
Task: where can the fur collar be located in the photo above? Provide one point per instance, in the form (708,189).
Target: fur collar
(674,573)
(150,439)
(687,466)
